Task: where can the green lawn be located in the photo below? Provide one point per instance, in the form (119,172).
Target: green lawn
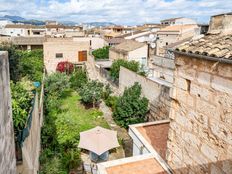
(75,118)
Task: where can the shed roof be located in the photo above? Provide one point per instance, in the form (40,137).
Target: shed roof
(127,46)
(218,46)
(28,40)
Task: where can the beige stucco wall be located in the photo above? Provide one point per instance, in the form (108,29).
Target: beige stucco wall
(156,93)
(31,145)
(69,49)
(200,136)
(136,54)
(95,41)
(7,144)
(114,55)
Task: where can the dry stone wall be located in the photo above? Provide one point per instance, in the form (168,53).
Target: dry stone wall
(7,145)
(200,135)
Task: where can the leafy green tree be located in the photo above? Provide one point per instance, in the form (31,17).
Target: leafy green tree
(101,53)
(115,68)
(78,79)
(13,60)
(91,92)
(131,108)
(31,64)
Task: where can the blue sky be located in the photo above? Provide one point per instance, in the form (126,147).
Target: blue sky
(129,12)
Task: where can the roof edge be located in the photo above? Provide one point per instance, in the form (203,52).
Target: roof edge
(198,56)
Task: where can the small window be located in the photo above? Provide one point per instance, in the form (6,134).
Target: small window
(59,55)
(166,43)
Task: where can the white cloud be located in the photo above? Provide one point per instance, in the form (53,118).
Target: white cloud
(118,11)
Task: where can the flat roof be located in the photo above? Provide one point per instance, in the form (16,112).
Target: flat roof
(145,166)
(157,136)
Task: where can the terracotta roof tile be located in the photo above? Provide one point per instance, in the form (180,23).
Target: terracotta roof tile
(219,46)
(127,45)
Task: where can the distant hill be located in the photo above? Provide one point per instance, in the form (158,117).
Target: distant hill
(18,19)
(99,24)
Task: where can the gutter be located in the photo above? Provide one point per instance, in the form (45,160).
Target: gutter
(198,56)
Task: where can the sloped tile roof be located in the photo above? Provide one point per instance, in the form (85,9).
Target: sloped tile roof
(218,46)
(127,46)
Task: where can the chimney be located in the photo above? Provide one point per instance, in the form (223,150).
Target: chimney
(220,24)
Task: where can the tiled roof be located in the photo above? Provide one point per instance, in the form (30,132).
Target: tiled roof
(127,45)
(171,19)
(28,40)
(218,46)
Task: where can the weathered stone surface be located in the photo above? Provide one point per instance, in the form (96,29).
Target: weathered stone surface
(201,117)
(7,146)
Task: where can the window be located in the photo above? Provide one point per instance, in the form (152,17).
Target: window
(59,55)
(166,43)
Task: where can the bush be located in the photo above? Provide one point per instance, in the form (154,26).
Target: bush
(91,92)
(101,53)
(131,108)
(115,68)
(78,79)
(65,67)
(111,102)
(21,96)
(56,84)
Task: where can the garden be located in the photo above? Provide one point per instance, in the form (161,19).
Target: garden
(72,106)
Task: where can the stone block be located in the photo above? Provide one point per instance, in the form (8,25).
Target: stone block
(204,78)
(207,109)
(181,83)
(227,166)
(192,140)
(201,92)
(188,73)
(222,84)
(225,70)
(209,152)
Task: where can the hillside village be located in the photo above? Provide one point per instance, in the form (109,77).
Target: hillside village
(163,88)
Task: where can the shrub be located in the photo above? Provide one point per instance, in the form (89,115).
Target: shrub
(78,79)
(56,84)
(111,102)
(65,67)
(115,68)
(131,108)
(21,96)
(91,92)
(101,53)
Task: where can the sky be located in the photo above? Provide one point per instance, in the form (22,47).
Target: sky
(125,12)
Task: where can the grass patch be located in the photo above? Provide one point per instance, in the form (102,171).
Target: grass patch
(74,118)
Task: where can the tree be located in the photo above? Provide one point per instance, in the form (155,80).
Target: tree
(13,60)
(101,53)
(91,92)
(31,64)
(78,79)
(131,108)
(115,68)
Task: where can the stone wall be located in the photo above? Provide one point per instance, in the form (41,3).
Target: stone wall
(200,136)
(157,93)
(7,145)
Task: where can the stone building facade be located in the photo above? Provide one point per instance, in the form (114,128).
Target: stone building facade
(7,145)
(200,134)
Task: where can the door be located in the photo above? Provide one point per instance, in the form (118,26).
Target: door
(82,56)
